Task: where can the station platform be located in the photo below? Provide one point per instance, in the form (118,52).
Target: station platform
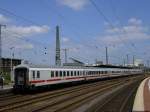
(5,89)
(142,98)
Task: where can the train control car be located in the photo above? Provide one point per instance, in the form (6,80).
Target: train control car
(31,76)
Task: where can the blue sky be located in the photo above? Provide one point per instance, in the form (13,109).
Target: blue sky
(84,31)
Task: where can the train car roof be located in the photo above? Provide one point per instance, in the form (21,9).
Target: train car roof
(113,66)
(69,67)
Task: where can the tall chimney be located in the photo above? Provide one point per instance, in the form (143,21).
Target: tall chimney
(57,57)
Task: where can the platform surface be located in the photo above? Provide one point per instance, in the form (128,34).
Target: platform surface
(5,88)
(142,99)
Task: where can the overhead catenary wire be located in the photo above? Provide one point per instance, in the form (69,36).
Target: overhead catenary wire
(26,20)
(121,25)
(72,27)
(19,36)
(105,17)
(34,51)
(18,16)
(112,26)
(119,20)
(32,22)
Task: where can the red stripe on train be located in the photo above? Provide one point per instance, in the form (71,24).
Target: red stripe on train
(73,78)
(37,81)
(53,80)
(50,80)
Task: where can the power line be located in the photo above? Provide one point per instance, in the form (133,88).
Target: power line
(101,13)
(26,20)
(19,36)
(18,16)
(74,28)
(107,20)
(60,15)
(26,40)
(119,20)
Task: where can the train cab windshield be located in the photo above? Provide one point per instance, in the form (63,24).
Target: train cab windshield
(21,77)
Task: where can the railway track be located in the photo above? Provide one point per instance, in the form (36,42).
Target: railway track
(71,105)
(8,97)
(5,95)
(21,98)
(36,99)
(63,107)
(61,99)
(121,101)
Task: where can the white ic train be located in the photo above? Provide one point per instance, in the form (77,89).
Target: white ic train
(30,76)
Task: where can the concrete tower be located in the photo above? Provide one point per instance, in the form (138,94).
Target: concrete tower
(57,57)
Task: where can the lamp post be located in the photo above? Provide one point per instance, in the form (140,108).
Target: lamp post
(11,63)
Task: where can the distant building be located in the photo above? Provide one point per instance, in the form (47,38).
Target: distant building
(139,63)
(98,62)
(6,64)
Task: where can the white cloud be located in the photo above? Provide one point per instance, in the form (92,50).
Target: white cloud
(65,40)
(12,33)
(134,31)
(25,46)
(74,4)
(27,30)
(4,19)
(135,21)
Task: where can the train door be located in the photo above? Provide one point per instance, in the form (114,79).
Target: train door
(21,76)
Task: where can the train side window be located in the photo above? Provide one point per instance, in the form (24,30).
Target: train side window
(38,74)
(67,73)
(83,73)
(56,73)
(52,73)
(89,73)
(74,73)
(33,74)
(64,73)
(80,73)
(71,73)
(60,73)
